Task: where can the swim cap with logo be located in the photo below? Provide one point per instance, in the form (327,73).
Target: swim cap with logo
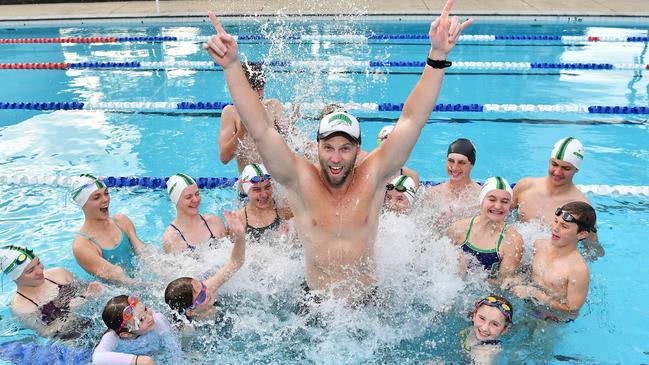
(14,260)
(176,184)
(464,147)
(495,183)
(384,133)
(339,122)
(402,182)
(569,149)
(250,172)
(84,186)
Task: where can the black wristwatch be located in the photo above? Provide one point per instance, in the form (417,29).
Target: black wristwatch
(438,63)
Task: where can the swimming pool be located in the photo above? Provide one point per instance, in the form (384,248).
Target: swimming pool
(425,313)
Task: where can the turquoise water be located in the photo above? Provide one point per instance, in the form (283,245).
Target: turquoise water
(428,302)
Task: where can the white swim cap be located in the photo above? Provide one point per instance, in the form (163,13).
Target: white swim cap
(14,260)
(495,183)
(251,174)
(176,184)
(569,149)
(383,134)
(84,186)
(339,122)
(404,184)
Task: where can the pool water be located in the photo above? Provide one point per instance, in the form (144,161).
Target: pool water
(427,301)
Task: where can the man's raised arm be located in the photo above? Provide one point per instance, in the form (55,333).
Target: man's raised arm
(444,33)
(276,155)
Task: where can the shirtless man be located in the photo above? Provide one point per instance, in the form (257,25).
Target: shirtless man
(233,137)
(537,197)
(336,204)
(456,198)
(559,272)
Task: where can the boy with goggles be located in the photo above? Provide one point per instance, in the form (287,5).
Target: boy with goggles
(559,272)
(400,194)
(492,317)
(196,299)
(136,334)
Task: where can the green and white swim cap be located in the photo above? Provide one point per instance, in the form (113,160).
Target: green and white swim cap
(176,184)
(84,186)
(404,184)
(383,134)
(495,183)
(251,174)
(14,260)
(569,149)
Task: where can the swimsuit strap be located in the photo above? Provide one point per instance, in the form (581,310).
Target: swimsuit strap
(118,226)
(208,227)
(26,297)
(245,212)
(276,211)
(466,239)
(500,239)
(401,171)
(92,240)
(54,282)
(179,232)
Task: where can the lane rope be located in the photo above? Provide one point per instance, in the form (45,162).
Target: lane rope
(359,107)
(349,38)
(151,182)
(328,64)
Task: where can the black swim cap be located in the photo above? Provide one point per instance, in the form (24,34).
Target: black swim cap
(464,147)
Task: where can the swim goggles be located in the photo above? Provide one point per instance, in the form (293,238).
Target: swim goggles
(201,297)
(256,179)
(492,301)
(25,254)
(127,314)
(399,188)
(566,216)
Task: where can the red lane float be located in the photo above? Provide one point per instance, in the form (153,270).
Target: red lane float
(35,66)
(61,40)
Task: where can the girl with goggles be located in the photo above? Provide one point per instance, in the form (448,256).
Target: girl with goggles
(136,335)
(195,299)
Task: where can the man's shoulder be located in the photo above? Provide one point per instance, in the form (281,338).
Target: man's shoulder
(529,182)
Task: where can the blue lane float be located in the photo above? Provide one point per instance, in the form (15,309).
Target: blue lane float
(22,352)
(356,107)
(159,183)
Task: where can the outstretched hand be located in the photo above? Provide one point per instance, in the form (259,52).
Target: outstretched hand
(236,228)
(222,47)
(445,32)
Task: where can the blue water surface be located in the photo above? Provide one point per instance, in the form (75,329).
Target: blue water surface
(612,327)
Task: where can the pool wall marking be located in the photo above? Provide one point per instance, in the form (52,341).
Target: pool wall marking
(351,38)
(202,65)
(151,182)
(365,107)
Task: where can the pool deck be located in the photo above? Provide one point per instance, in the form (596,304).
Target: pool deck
(194,8)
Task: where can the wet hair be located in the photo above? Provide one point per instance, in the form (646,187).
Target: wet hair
(255,74)
(584,212)
(464,147)
(330,108)
(112,314)
(179,294)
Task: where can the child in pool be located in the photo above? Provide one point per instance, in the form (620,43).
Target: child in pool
(492,317)
(135,335)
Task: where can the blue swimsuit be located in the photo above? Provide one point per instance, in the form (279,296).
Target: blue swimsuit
(190,247)
(490,259)
(121,255)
